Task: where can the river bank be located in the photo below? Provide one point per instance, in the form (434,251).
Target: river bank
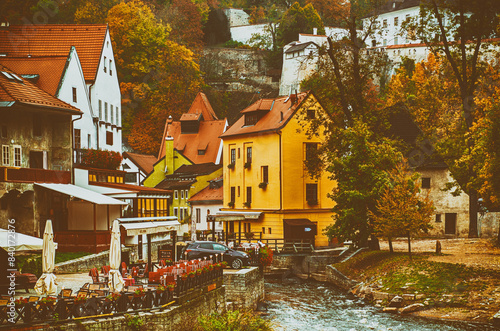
(460,283)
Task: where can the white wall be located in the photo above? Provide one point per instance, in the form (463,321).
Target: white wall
(106,89)
(243,33)
(73,78)
(130,167)
(236,16)
(204,212)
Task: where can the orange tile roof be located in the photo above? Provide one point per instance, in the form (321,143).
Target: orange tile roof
(142,161)
(49,68)
(208,194)
(207,137)
(25,93)
(56,39)
(271,121)
(262,104)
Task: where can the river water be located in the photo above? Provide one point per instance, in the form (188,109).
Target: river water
(309,305)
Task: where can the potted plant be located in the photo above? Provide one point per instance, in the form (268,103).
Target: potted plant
(80,300)
(160,289)
(47,301)
(113,297)
(223,264)
(171,286)
(199,271)
(263,185)
(21,302)
(231,204)
(139,292)
(231,165)
(247,204)
(191,274)
(248,165)
(184,276)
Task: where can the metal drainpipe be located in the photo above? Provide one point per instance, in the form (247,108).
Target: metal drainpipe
(281,163)
(72,147)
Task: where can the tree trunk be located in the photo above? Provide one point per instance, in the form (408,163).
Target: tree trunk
(390,245)
(409,246)
(473,209)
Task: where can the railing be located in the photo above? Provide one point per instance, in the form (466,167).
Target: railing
(287,246)
(95,305)
(34,175)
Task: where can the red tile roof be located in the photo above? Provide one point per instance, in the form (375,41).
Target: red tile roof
(271,120)
(49,68)
(142,161)
(207,137)
(56,39)
(25,93)
(208,194)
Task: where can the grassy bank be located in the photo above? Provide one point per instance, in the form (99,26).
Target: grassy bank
(438,285)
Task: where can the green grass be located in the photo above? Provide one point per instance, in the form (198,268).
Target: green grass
(66,256)
(398,275)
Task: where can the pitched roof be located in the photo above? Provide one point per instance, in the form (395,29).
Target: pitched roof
(49,69)
(208,194)
(271,120)
(16,90)
(201,105)
(195,169)
(56,40)
(142,161)
(209,130)
(175,184)
(298,47)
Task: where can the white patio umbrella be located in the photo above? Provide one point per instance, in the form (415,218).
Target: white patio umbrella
(46,284)
(115,282)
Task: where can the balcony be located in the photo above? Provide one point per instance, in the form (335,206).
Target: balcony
(29,175)
(82,241)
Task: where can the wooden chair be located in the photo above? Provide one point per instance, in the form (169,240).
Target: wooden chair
(94,287)
(66,293)
(95,276)
(82,294)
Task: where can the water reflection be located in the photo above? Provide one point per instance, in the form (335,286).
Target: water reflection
(308,305)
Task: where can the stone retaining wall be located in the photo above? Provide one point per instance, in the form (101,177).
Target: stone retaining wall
(339,279)
(244,288)
(174,318)
(85,263)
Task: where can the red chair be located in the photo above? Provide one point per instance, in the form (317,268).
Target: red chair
(124,270)
(105,269)
(95,276)
(154,277)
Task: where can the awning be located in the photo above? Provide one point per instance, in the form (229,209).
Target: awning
(20,242)
(303,223)
(149,225)
(229,216)
(82,193)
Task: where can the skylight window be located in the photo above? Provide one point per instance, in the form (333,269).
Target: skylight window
(12,76)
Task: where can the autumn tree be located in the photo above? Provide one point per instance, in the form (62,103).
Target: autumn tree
(158,77)
(457,30)
(297,20)
(401,209)
(355,151)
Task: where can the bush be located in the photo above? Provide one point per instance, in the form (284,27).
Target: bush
(233,320)
(266,256)
(33,266)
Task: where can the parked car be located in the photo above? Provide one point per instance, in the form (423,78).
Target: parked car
(201,249)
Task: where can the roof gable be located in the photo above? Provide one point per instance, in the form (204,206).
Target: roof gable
(277,117)
(17,90)
(56,40)
(49,70)
(142,161)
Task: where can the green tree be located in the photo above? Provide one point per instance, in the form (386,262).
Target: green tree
(359,162)
(355,151)
(457,30)
(401,210)
(297,20)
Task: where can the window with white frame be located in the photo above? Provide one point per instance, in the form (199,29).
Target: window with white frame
(6,155)
(112,113)
(100,110)
(176,194)
(176,212)
(117,115)
(106,111)
(187,194)
(17,156)
(182,194)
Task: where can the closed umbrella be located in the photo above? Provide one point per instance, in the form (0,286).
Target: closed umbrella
(46,284)
(115,282)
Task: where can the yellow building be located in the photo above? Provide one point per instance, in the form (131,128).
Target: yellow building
(264,171)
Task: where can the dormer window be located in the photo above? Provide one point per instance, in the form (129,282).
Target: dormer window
(251,118)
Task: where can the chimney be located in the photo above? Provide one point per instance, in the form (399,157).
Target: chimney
(169,155)
(315,31)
